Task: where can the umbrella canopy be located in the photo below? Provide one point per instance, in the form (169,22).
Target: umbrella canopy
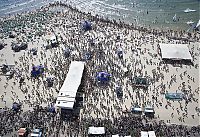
(52,109)
(37,70)
(67,52)
(103,76)
(15,106)
(88,56)
(86,25)
(22,131)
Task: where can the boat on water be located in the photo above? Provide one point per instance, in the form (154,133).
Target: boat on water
(190,22)
(174,18)
(198,24)
(189,10)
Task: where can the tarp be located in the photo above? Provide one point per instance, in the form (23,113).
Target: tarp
(52,109)
(140,81)
(151,133)
(96,130)
(15,106)
(103,76)
(148,134)
(66,96)
(136,109)
(149,110)
(21,131)
(175,51)
(115,135)
(37,70)
(174,96)
(144,134)
(86,25)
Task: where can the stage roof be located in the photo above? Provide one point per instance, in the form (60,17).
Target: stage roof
(66,96)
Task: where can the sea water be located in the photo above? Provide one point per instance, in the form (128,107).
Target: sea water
(147,13)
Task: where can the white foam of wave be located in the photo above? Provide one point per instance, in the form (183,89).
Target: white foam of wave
(4,9)
(14,11)
(16,5)
(113,6)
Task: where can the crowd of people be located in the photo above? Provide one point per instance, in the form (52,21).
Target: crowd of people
(101,107)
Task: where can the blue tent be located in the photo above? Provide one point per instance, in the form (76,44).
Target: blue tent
(88,56)
(52,109)
(37,70)
(120,52)
(86,25)
(15,106)
(67,52)
(103,77)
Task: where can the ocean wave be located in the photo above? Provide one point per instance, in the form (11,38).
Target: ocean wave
(25,3)
(11,6)
(14,11)
(112,6)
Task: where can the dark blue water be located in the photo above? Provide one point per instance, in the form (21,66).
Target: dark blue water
(155,13)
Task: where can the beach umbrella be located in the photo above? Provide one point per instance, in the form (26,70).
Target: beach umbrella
(16,106)
(52,109)
(67,52)
(88,56)
(120,52)
(103,77)
(86,25)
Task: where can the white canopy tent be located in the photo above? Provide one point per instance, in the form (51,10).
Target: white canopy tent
(151,133)
(144,134)
(137,109)
(115,135)
(67,94)
(148,134)
(175,51)
(96,130)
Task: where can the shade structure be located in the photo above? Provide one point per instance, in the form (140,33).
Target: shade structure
(137,110)
(103,76)
(149,110)
(174,96)
(86,25)
(21,131)
(151,133)
(37,70)
(66,96)
(52,109)
(148,134)
(144,134)
(15,106)
(96,130)
(115,135)
(175,51)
